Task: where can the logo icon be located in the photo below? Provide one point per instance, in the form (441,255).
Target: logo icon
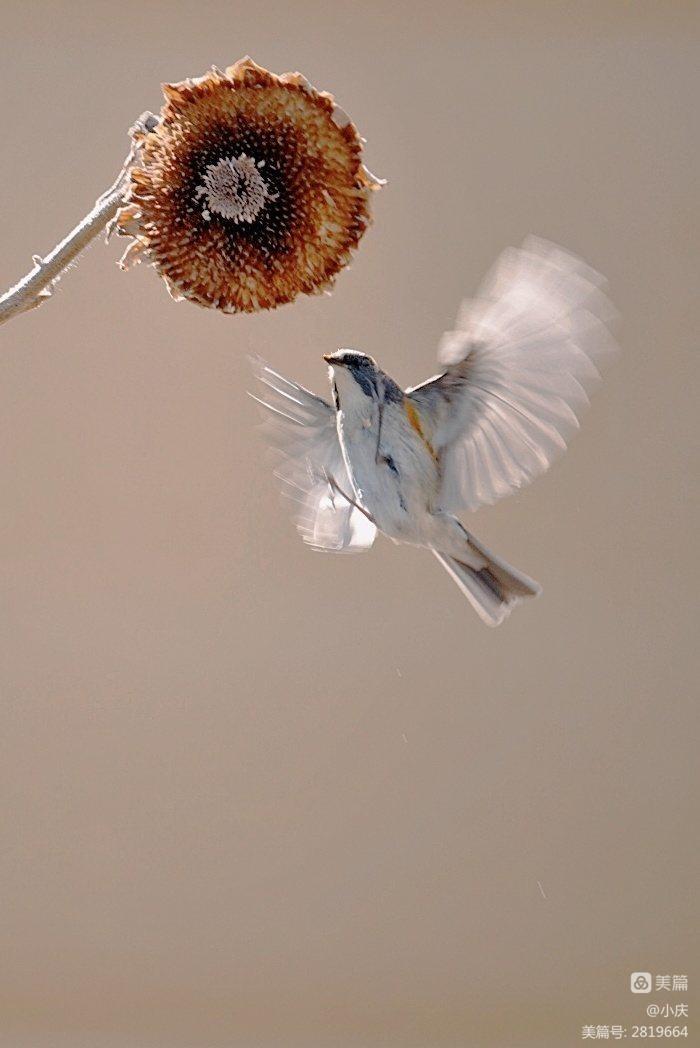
(640,982)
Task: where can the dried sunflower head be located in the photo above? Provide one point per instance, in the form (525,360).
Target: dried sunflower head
(249,190)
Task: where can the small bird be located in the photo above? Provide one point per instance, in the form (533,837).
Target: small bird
(517,372)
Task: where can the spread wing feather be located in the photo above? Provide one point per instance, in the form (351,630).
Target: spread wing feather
(300,427)
(520,365)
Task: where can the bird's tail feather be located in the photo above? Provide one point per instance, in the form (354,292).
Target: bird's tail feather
(492,590)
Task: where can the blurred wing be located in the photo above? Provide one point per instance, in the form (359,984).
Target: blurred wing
(520,365)
(301,428)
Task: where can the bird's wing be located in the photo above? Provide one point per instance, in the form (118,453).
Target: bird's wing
(519,367)
(301,429)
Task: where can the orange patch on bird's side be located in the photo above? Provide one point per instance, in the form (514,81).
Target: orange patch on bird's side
(414,419)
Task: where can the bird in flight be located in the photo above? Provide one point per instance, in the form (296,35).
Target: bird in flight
(517,371)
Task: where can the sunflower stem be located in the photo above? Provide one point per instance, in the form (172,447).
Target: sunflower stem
(36,286)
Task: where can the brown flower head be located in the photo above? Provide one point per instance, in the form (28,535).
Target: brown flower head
(249,190)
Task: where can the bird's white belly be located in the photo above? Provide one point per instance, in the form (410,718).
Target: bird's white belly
(395,482)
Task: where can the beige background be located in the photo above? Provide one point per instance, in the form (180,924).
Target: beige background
(257,797)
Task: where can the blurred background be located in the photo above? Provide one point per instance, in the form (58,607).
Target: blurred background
(257,797)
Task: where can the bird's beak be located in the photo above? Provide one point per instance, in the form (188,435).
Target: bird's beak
(333,361)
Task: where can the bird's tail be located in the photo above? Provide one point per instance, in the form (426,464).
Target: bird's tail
(494,589)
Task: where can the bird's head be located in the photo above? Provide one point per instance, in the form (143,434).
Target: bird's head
(354,376)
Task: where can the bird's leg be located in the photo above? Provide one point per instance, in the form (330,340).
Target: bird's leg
(334,486)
